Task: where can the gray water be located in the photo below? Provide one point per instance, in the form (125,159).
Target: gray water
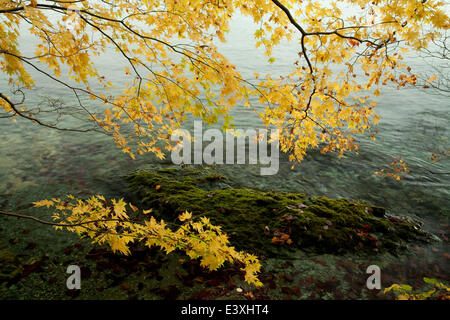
(38,163)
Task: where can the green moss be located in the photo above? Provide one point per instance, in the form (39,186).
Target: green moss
(270,222)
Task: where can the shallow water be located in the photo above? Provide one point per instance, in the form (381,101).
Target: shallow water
(38,163)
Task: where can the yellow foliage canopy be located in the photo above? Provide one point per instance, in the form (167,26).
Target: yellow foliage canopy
(106,222)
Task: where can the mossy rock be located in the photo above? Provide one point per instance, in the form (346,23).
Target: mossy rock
(268,222)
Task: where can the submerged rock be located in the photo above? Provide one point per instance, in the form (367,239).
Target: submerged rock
(268,222)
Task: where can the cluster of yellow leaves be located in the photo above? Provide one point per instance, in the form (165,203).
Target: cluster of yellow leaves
(175,68)
(439,291)
(394,170)
(107,222)
(435,157)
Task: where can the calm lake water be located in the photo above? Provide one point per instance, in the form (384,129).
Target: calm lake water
(38,163)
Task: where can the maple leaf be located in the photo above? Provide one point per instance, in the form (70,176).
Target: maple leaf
(119,208)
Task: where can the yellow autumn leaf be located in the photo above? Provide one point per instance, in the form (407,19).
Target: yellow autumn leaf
(376,119)
(309,102)
(119,208)
(118,244)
